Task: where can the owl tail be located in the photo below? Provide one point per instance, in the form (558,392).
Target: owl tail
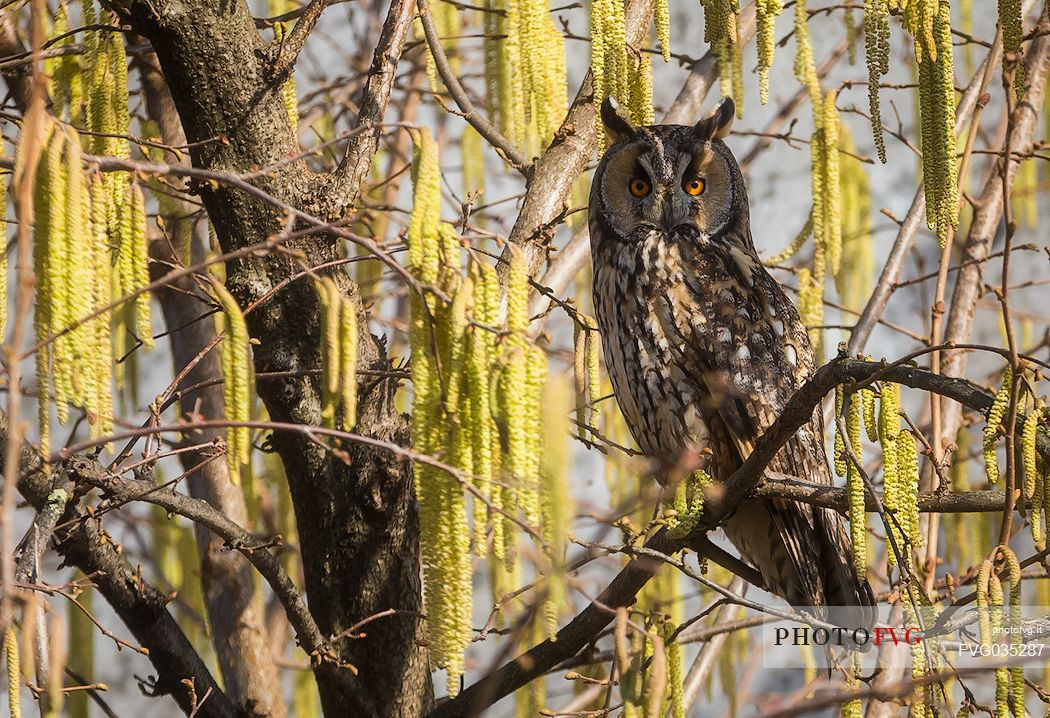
(804,556)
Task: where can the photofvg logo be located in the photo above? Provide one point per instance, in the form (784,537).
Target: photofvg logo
(859,638)
(967,636)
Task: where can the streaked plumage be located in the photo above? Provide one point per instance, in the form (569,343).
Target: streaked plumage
(703,347)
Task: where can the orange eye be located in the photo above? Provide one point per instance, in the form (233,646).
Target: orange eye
(695,186)
(639,187)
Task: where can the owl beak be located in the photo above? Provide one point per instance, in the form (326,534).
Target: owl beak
(671,215)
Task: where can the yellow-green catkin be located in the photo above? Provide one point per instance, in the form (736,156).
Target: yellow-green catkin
(922,697)
(805,69)
(993,423)
(106,104)
(990,604)
(432,252)
(81,633)
(70,260)
(556,497)
(65,82)
(348,368)
(338,321)
(513,388)
(51,241)
(525,71)
(855,488)
(720,23)
(826,190)
(867,401)
(675,677)
(579,365)
(615,72)
(289,93)
(331,348)
(811,307)
(594,380)
(100,328)
(446,19)
(479,359)
(933,53)
(877,58)
(853,708)
(908,478)
(1010,20)
(138,277)
(471,148)
(642,91)
(662,17)
(14,672)
(1034,486)
(238,379)
(766,13)
(897,494)
(688,503)
(839,449)
(854,278)
(1015,680)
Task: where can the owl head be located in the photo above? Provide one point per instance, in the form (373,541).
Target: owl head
(668,178)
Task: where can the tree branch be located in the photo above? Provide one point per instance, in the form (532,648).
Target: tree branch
(353,170)
(739,486)
(988,215)
(782,486)
(470,113)
(141,607)
(556,171)
(307,633)
(288,47)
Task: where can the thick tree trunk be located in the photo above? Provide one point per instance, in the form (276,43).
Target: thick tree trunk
(236,616)
(357,519)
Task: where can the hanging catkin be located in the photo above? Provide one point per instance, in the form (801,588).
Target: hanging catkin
(14,672)
(525,71)
(933,52)
(615,70)
(71,261)
(662,17)
(994,422)
(877,58)
(766,13)
(805,69)
(1034,486)
(856,273)
(855,488)
(434,328)
(238,380)
(338,356)
(899,475)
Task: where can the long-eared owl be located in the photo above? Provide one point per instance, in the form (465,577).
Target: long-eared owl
(703,347)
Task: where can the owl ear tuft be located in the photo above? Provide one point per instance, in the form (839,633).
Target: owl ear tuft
(616,121)
(717,125)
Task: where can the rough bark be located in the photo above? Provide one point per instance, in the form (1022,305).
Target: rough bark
(235,610)
(359,529)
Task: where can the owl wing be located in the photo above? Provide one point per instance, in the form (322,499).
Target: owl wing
(749,351)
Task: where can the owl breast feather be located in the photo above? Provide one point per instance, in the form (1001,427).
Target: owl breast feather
(691,333)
